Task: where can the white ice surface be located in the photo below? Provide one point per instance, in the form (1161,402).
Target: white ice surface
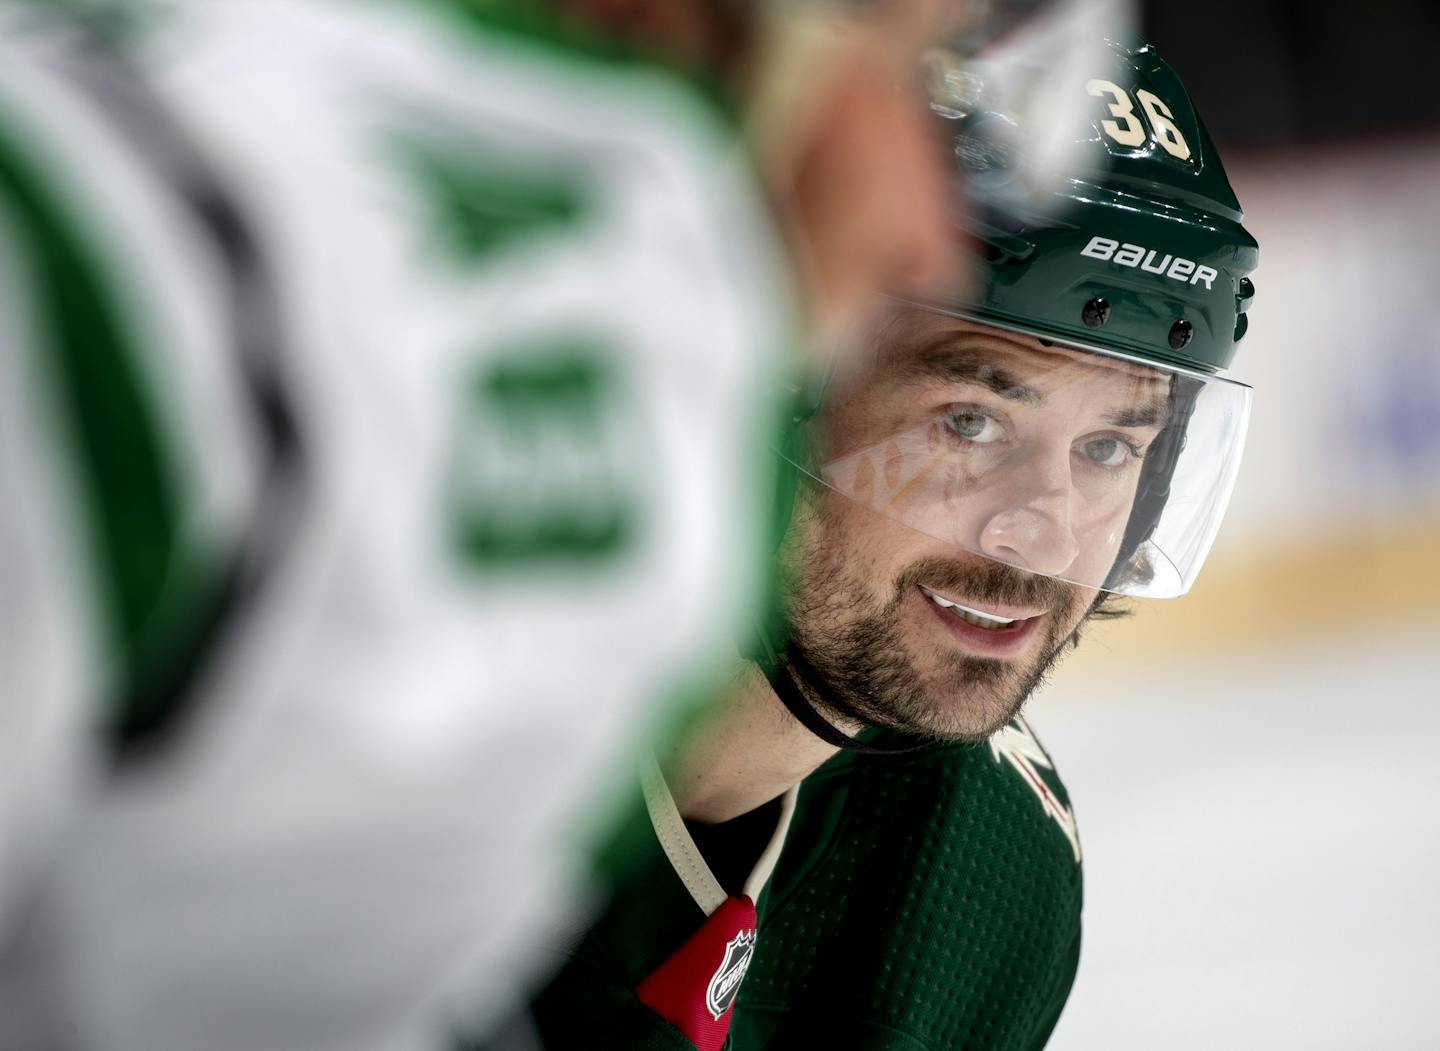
(1262,850)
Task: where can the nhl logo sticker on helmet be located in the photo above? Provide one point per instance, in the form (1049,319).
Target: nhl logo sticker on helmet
(725,983)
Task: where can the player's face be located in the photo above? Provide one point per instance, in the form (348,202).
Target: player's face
(983,471)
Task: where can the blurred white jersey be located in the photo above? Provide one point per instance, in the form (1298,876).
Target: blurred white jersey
(385,402)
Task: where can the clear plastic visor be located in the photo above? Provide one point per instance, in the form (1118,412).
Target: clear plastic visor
(1064,461)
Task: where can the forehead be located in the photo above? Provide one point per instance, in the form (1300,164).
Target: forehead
(919,346)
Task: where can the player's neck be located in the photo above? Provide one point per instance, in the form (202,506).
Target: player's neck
(748,750)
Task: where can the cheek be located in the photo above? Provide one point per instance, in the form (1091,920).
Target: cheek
(1100,536)
(1099,542)
(843,556)
(1076,610)
(875,548)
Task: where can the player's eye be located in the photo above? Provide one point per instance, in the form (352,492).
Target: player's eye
(975,426)
(1109,451)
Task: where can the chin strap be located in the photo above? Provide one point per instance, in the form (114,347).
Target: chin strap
(782,677)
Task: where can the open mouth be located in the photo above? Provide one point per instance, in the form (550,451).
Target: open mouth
(974,617)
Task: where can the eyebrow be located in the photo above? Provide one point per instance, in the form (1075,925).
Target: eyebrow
(937,361)
(1151,414)
(942,360)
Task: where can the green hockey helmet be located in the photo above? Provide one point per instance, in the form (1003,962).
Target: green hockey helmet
(1064,414)
(1138,248)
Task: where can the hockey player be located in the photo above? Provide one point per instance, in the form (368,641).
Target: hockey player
(867,847)
(372,376)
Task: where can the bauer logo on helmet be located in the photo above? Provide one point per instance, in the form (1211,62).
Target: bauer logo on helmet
(1186,271)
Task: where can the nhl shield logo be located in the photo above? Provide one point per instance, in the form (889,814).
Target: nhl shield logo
(725,983)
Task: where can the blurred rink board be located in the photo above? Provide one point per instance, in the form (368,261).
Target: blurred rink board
(1253,764)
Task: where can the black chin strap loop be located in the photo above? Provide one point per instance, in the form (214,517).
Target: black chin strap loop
(782,678)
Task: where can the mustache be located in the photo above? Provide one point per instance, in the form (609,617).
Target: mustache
(986,581)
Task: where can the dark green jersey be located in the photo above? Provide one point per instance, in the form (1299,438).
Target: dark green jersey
(923,900)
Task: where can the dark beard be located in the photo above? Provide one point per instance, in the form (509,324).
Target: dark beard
(863,671)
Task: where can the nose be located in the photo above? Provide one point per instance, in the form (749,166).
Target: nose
(1032,528)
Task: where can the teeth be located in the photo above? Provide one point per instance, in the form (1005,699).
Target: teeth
(968,615)
(978,621)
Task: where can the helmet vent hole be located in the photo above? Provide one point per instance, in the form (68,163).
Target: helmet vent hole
(1181,333)
(1096,312)
(991,253)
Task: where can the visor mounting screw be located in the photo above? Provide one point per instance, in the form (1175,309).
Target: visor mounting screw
(1095,313)
(1181,333)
